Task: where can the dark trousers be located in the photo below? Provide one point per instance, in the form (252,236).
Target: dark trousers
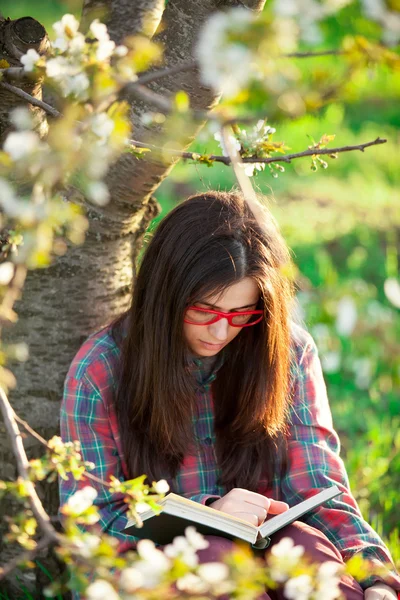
(317,547)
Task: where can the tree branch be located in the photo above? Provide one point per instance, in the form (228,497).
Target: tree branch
(24,557)
(314,54)
(40,514)
(160,73)
(34,101)
(287,158)
(45,443)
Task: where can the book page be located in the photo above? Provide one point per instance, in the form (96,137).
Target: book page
(297,511)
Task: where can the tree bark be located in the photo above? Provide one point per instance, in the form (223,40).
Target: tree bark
(16,38)
(91,284)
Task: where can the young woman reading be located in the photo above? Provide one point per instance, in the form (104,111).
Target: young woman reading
(208,383)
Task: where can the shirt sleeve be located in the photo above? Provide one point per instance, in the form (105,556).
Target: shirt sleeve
(84,418)
(314,463)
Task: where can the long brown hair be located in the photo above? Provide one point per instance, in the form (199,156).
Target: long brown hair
(203,246)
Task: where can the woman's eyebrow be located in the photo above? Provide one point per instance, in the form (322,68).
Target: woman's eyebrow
(232,309)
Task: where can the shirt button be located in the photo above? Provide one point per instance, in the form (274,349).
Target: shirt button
(208,441)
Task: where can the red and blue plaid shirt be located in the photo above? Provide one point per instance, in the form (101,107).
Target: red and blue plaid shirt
(88,415)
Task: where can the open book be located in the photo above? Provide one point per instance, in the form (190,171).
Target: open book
(179,512)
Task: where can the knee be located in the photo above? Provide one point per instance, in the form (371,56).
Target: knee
(314,542)
(217,548)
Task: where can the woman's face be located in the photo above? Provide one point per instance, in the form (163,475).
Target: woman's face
(208,340)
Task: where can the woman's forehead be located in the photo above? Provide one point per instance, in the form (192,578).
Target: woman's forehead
(238,295)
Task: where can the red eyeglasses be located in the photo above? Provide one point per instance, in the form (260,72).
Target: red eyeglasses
(204,316)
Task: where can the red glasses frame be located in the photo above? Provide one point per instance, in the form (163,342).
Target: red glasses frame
(222,315)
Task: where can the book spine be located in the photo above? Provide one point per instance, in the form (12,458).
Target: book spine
(261,543)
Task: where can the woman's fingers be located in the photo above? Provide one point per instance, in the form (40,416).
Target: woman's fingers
(244,502)
(247,516)
(277,507)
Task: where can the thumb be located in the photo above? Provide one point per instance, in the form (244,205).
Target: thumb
(277,507)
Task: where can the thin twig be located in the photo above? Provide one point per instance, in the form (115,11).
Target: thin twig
(25,96)
(16,73)
(287,158)
(25,557)
(23,465)
(155,75)
(314,54)
(31,431)
(45,443)
(20,73)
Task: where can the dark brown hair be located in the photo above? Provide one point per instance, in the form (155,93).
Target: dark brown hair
(200,248)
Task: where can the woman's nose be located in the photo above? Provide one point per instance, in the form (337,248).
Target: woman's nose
(219,329)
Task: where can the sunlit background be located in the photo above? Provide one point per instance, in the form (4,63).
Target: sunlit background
(342,225)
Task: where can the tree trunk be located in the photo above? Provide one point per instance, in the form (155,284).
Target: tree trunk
(91,284)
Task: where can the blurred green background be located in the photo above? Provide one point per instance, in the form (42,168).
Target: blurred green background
(343,226)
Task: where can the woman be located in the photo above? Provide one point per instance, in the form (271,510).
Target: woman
(206,382)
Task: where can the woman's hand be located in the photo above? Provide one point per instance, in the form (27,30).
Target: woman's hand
(380,591)
(249,506)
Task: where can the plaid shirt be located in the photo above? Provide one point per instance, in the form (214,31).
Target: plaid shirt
(87,415)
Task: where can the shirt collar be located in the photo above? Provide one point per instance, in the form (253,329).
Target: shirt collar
(203,375)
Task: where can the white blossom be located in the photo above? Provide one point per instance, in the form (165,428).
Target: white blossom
(153,565)
(101,589)
(21,118)
(67,27)
(77,44)
(58,67)
(161,487)
(131,579)
(82,499)
(21,351)
(249,168)
(195,539)
(148,552)
(328,579)
(61,44)
(298,588)
(105,46)
(232,139)
(121,51)
(141,507)
(392,291)
(87,544)
(76,85)
(99,30)
(7,195)
(102,126)
(346,317)
(74,45)
(69,76)
(192,583)
(14,206)
(97,191)
(98,161)
(29,60)
(19,144)
(225,65)
(213,572)
(6,272)
(105,49)
(284,557)
(181,547)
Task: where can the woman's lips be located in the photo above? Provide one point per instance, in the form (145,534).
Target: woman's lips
(211,346)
